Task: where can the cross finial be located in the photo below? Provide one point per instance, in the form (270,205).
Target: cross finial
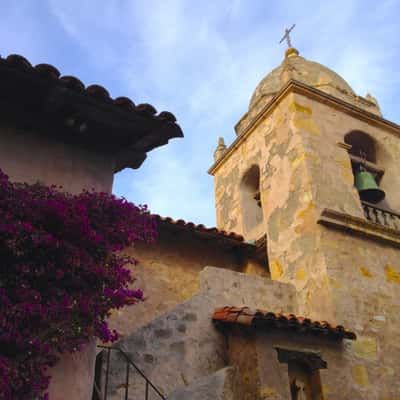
(287,37)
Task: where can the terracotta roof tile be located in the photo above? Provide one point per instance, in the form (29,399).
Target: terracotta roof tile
(49,71)
(266,319)
(201,228)
(115,125)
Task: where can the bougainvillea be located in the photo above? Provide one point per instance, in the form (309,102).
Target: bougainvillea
(61,272)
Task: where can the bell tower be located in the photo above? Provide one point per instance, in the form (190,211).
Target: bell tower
(314,168)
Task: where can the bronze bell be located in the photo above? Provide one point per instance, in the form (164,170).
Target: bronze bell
(367,187)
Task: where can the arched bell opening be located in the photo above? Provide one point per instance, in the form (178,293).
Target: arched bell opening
(362,145)
(251,198)
(363,160)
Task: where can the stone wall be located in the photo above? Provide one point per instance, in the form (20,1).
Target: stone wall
(254,356)
(181,346)
(339,277)
(168,273)
(365,280)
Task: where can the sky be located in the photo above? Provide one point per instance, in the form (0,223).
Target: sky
(201,60)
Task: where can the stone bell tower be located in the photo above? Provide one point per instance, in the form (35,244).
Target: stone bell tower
(290,175)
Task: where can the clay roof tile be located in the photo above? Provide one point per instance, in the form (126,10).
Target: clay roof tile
(124,103)
(259,318)
(18,62)
(47,71)
(180,223)
(98,91)
(72,83)
(116,126)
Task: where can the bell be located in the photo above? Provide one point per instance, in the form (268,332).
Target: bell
(367,187)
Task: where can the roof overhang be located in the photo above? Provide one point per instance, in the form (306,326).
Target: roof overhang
(37,99)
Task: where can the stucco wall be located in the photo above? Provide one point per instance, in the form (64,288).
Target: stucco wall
(168,273)
(27,157)
(72,376)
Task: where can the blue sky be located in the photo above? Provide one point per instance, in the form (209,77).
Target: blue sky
(201,61)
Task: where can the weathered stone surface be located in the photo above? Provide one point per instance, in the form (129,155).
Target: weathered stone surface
(168,273)
(182,345)
(217,386)
(345,276)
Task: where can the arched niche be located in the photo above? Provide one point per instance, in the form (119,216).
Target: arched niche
(251,198)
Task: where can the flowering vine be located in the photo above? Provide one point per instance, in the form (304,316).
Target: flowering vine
(61,272)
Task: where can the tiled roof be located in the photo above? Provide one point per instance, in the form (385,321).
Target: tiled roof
(267,320)
(180,223)
(84,115)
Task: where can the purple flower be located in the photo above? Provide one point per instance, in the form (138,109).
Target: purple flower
(63,274)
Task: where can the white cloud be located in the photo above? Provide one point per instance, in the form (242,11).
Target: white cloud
(203,60)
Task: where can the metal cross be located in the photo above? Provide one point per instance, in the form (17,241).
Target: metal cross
(287,37)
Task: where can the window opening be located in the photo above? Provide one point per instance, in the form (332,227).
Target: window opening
(251,198)
(303,371)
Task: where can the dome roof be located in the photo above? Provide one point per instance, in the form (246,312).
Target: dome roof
(308,72)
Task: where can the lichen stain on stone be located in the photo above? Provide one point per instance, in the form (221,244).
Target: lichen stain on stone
(305,213)
(188,290)
(392,274)
(219,193)
(306,197)
(344,162)
(307,125)
(326,390)
(266,392)
(276,269)
(365,347)
(296,107)
(347,175)
(335,283)
(365,272)
(184,380)
(300,274)
(360,375)
(305,156)
(297,161)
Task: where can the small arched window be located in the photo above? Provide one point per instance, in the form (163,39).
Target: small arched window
(251,198)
